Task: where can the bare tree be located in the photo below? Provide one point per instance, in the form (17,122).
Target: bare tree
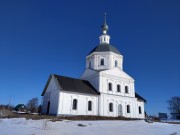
(32,105)
(174,105)
(8,107)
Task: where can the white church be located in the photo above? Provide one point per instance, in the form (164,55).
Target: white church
(104,89)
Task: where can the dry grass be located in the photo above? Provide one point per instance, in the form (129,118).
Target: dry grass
(5,113)
(60,118)
(172,122)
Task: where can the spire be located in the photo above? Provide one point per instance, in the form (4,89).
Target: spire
(104,26)
(105,18)
(104,38)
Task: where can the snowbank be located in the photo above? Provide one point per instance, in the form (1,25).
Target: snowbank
(21,126)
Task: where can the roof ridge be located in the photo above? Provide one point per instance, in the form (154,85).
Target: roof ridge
(70,77)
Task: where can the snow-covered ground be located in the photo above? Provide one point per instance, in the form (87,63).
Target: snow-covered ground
(21,126)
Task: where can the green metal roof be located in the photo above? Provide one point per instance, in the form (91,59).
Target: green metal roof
(19,106)
(105,48)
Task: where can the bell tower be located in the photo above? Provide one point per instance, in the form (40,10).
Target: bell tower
(104,56)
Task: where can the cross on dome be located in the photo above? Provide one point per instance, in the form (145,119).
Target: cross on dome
(104,38)
(104,26)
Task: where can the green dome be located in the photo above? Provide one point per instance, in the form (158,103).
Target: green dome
(105,27)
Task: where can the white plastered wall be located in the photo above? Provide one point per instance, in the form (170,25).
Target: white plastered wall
(51,95)
(106,99)
(66,104)
(109,60)
(140,104)
(115,77)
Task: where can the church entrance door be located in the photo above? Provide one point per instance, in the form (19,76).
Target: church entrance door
(120,113)
(48,107)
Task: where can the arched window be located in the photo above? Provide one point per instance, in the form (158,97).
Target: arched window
(110,86)
(118,88)
(102,62)
(116,63)
(126,89)
(89,105)
(111,107)
(74,104)
(140,112)
(128,108)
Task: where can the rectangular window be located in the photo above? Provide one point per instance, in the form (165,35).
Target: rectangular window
(126,89)
(102,62)
(118,88)
(116,63)
(110,86)
(111,107)
(128,108)
(89,106)
(140,112)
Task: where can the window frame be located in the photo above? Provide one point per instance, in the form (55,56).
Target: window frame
(90,64)
(140,110)
(102,62)
(110,86)
(89,105)
(116,63)
(126,89)
(111,107)
(75,104)
(128,109)
(118,88)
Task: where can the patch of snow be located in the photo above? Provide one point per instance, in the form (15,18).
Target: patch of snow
(20,112)
(21,126)
(170,120)
(34,113)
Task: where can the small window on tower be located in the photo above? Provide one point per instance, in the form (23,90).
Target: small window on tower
(90,64)
(102,62)
(116,63)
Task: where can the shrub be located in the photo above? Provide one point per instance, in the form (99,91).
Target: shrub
(45,124)
(5,113)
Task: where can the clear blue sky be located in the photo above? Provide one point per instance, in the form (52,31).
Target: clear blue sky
(38,38)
